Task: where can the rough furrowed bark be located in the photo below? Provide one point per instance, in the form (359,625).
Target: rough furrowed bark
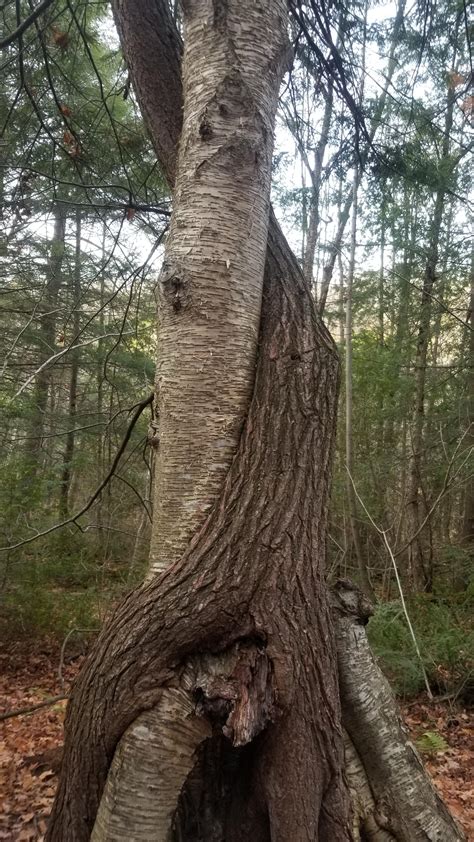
(211,283)
(406,806)
(251,578)
(153,50)
(225,611)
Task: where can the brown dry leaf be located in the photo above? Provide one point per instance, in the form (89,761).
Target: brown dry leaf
(27,782)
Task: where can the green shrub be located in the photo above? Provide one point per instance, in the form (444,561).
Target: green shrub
(445,636)
(60,584)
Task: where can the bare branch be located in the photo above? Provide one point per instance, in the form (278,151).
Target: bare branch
(32,708)
(74,518)
(62,353)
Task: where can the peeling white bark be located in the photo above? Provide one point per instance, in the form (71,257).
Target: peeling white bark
(407,804)
(364,808)
(208,320)
(148,771)
(211,284)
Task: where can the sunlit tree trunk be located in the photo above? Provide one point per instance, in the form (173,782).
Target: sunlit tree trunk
(345,212)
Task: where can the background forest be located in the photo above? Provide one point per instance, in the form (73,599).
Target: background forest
(371,184)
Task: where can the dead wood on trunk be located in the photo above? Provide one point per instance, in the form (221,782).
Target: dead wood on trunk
(231,694)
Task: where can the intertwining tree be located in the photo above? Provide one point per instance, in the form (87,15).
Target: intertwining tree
(230,642)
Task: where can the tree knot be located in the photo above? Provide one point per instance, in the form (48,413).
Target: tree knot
(348,600)
(175,288)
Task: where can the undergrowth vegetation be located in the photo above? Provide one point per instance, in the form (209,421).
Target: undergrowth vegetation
(70,586)
(444,629)
(74,587)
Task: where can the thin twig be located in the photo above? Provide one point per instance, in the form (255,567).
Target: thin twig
(63,652)
(22,711)
(14,36)
(62,353)
(383,532)
(74,518)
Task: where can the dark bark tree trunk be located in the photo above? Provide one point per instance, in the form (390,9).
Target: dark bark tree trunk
(420,560)
(467,526)
(420,556)
(266,535)
(100,398)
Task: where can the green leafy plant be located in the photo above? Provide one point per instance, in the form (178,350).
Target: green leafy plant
(430,742)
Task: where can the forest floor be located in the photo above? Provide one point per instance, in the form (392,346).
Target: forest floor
(30,743)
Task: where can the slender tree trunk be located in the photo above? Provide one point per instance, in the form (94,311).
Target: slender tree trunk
(420,551)
(352,505)
(71,436)
(381,285)
(47,336)
(100,397)
(419,566)
(420,555)
(316,177)
(395,434)
(467,526)
(304,211)
(335,246)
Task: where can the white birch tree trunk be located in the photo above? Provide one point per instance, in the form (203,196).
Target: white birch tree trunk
(208,319)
